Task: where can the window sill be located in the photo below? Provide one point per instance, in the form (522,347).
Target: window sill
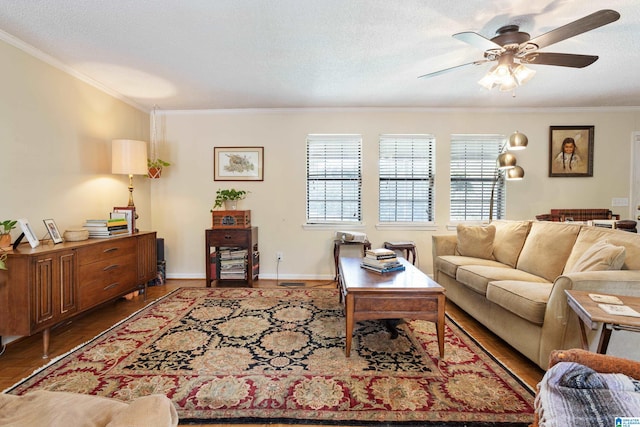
(419,226)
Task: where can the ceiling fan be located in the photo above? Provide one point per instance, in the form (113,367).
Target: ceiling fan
(512,49)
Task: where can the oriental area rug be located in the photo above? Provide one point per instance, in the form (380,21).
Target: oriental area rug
(238,355)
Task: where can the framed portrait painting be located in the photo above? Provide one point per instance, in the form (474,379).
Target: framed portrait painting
(571,151)
(238,163)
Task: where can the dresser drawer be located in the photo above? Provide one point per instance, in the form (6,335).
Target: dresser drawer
(107,250)
(105,279)
(229,238)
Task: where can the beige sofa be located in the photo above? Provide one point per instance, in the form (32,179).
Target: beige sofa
(511,277)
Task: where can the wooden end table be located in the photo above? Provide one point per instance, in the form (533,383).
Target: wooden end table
(407,294)
(591,315)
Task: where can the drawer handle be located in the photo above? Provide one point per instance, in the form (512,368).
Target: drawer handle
(110,267)
(110,250)
(113,285)
(228,237)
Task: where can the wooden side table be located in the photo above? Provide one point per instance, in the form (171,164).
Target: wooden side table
(591,315)
(337,243)
(409,248)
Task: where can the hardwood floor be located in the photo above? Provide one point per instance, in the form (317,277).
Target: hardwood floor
(22,357)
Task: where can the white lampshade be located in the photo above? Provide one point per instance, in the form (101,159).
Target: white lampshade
(128,157)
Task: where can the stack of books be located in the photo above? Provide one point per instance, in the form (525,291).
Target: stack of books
(102,228)
(381,261)
(233,263)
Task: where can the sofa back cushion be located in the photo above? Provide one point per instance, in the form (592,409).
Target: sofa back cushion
(547,248)
(590,235)
(475,241)
(601,256)
(509,240)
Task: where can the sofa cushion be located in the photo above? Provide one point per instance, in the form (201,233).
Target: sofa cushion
(525,299)
(547,248)
(448,264)
(601,256)
(590,235)
(510,237)
(475,241)
(477,277)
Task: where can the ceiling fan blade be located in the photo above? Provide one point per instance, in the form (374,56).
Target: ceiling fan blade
(582,25)
(559,59)
(446,70)
(476,40)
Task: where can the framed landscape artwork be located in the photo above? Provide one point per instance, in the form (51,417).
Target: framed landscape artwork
(571,151)
(238,163)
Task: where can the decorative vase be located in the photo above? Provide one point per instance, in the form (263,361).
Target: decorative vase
(231,205)
(155,172)
(5,240)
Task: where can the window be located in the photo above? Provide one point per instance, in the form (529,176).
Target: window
(406,168)
(473,171)
(334,178)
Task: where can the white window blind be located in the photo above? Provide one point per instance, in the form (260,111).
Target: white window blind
(334,178)
(473,169)
(406,174)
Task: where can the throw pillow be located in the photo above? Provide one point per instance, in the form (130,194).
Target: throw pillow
(476,241)
(600,257)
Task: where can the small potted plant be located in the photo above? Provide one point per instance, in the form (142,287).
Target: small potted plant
(5,232)
(155,167)
(229,198)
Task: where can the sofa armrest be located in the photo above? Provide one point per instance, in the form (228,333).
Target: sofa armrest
(444,244)
(602,363)
(557,333)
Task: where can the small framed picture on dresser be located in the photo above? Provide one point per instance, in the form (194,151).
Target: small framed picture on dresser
(52,228)
(28,232)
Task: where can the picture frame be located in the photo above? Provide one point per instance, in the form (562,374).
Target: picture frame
(238,163)
(52,228)
(28,232)
(571,151)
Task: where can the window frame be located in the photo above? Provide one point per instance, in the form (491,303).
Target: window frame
(349,174)
(392,156)
(482,162)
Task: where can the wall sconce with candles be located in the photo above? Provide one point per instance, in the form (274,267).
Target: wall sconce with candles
(506,164)
(129,157)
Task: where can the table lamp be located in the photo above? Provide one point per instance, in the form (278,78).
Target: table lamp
(129,157)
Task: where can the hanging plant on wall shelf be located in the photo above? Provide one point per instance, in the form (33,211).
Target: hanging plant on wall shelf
(155,167)
(155,164)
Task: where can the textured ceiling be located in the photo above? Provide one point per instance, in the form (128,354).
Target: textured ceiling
(221,54)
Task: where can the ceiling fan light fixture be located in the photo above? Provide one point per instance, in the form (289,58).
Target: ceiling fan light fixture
(488,81)
(508,83)
(523,74)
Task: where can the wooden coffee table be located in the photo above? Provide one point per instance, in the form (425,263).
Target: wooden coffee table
(407,294)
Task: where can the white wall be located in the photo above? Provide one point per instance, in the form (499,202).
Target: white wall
(182,199)
(55,146)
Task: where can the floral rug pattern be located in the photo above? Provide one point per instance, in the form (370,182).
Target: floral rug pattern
(241,355)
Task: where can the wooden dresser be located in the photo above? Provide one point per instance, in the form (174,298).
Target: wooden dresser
(51,283)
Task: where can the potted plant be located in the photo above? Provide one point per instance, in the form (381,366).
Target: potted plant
(5,232)
(229,198)
(155,167)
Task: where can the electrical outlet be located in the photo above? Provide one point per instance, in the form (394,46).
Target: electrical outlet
(619,201)
(278,256)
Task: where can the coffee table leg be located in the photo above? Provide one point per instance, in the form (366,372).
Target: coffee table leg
(349,323)
(440,325)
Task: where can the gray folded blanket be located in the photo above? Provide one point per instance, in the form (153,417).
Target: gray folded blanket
(571,394)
